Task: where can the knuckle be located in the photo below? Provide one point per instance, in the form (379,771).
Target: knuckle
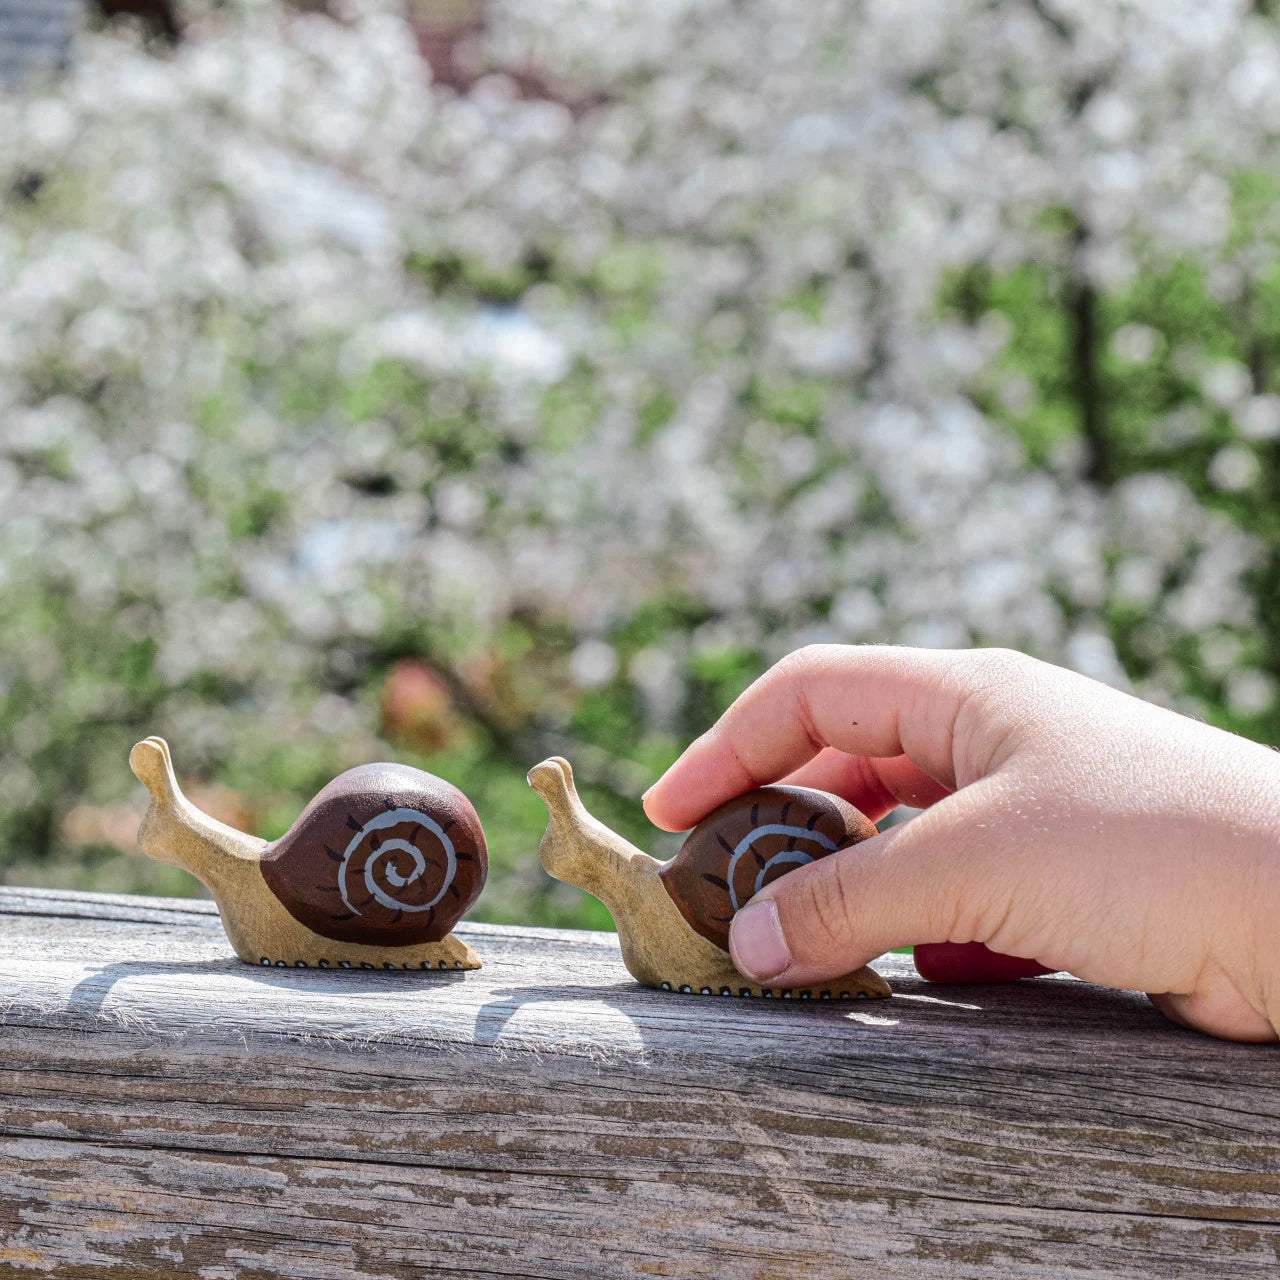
(998,901)
(771,684)
(999,666)
(995,688)
(807,659)
(793,665)
(793,679)
(987,917)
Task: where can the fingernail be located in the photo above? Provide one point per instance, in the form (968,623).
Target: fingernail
(756,941)
(644,795)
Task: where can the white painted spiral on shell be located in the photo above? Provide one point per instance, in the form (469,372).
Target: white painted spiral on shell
(743,847)
(393,818)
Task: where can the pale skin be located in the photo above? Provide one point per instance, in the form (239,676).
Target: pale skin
(1066,824)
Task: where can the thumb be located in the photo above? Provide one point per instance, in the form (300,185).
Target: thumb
(940,877)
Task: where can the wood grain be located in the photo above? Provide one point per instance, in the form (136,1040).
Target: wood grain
(166,1110)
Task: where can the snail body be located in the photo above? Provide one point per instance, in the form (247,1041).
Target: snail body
(374,873)
(673,918)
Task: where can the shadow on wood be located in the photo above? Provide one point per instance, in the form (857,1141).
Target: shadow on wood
(167,1110)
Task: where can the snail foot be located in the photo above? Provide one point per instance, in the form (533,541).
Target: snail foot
(268,962)
(449,954)
(862,984)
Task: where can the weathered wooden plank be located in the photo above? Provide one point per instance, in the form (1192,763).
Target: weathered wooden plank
(166,1110)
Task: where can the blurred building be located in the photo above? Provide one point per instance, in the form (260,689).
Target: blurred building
(36,38)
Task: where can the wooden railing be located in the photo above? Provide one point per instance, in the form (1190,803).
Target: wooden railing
(169,1111)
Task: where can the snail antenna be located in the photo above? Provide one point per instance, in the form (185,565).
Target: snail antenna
(576,847)
(152,766)
(174,830)
(553,781)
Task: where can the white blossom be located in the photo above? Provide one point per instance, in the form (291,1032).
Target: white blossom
(298,349)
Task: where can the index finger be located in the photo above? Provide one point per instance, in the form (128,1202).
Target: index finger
(874,785)
(866,700)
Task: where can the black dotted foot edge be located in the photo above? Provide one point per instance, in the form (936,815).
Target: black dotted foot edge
(767,993)
(267,962)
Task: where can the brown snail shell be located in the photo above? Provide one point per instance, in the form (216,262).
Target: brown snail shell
(750,842)
(673,918)
(384,855)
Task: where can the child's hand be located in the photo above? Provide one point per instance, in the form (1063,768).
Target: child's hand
(1087,830)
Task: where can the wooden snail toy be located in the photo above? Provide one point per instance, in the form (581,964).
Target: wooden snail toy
(673,917)
(374,873)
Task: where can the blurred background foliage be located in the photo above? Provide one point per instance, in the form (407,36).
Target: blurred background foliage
(463,382)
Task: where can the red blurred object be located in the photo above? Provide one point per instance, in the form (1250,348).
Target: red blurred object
(449,34)
(972,962)
(451,39)
(417,709)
